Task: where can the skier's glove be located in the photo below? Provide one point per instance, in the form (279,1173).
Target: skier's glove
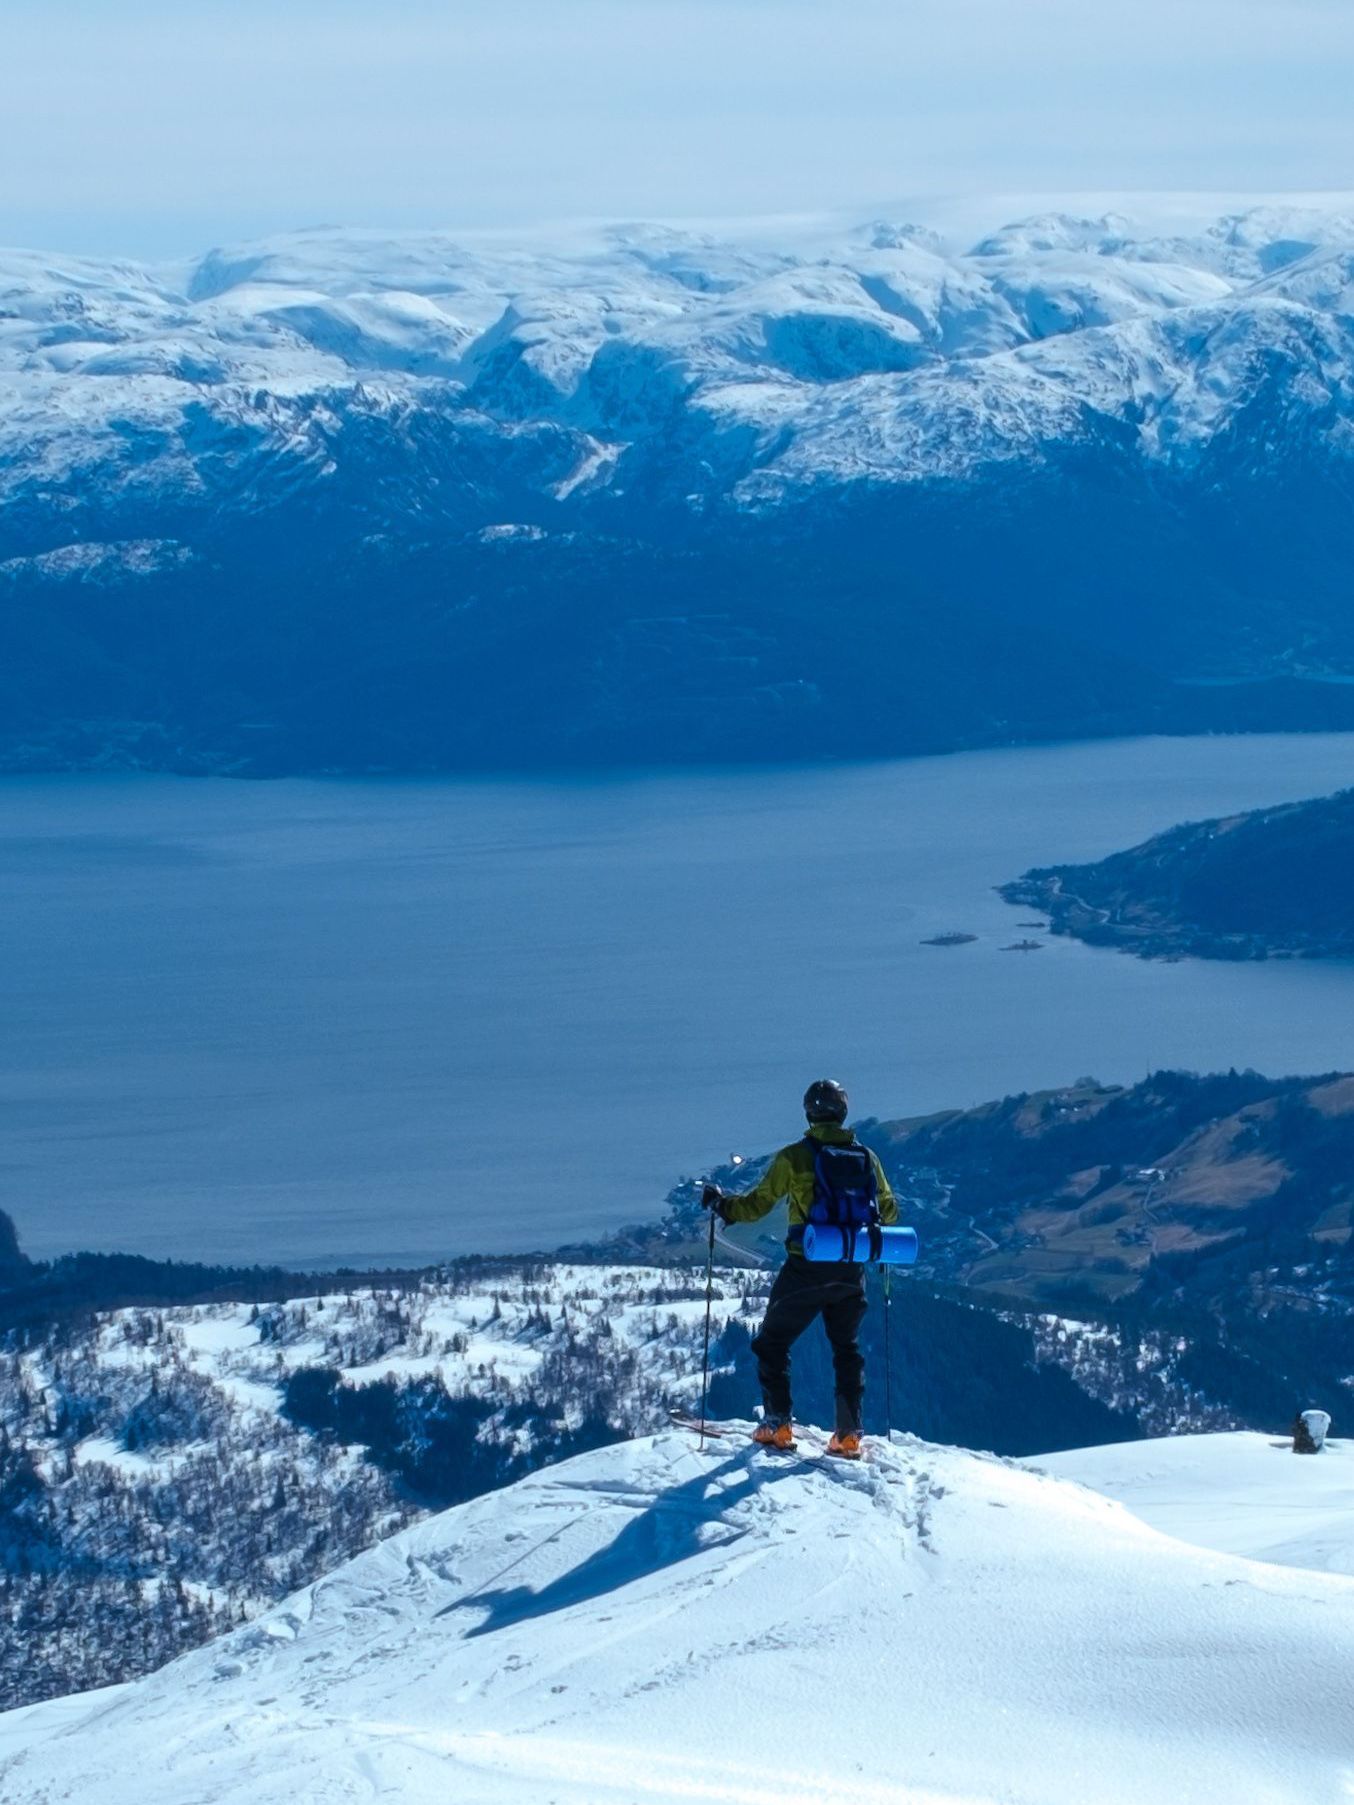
(712,1198)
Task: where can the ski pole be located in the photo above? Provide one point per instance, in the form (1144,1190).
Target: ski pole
(888,1357)
(709,1302)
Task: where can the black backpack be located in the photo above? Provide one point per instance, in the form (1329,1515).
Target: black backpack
(845,1191)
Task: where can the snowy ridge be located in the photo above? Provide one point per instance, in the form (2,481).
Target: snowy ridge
(1231,1493)
(650,1623)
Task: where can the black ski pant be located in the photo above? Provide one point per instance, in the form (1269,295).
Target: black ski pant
(802,1291)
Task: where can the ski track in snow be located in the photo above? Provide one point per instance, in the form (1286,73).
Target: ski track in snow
(653,1623)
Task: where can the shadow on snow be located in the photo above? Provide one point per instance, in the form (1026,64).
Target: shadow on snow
(666,1532)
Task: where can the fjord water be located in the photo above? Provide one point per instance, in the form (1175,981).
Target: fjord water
(321,1022)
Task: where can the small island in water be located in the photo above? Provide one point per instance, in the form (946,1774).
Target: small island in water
(1272,883)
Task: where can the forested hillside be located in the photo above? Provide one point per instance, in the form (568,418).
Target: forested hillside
(1272,883)
(13,1265)
(1214,1211)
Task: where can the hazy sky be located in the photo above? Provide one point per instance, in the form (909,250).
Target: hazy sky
(149,127)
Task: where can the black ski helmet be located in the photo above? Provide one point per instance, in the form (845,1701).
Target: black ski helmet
(825,1101)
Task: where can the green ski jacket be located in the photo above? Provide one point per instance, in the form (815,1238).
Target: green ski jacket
(790,1174)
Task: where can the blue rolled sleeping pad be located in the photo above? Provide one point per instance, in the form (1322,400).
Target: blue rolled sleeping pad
(825,1241)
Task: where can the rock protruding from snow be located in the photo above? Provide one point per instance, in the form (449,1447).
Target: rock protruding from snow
(625,1627)
(1310,1429)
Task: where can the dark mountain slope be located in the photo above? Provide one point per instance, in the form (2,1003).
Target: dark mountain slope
(1275,882)
(1206,1224)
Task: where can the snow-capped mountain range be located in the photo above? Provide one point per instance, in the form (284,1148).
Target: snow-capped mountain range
(666,460)
(953,358)
(650,1622)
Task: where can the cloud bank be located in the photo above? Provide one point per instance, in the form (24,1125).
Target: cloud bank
(151,128)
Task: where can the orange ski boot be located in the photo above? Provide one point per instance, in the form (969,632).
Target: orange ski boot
(844,1446)
(778,1435)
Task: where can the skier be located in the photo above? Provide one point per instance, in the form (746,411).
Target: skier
(805,1289)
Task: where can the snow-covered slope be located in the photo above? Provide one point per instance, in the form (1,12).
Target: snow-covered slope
(652,1623)
(308,502)
(1238,1493)
(166,1472)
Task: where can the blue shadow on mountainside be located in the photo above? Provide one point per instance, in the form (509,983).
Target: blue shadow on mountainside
(666,1531)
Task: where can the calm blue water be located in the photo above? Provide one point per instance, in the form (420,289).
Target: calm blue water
(389,1021)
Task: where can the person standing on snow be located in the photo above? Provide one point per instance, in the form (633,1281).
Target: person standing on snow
(828,1176)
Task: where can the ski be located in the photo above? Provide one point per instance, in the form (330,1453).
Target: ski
(807,1446)
(683,1419)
